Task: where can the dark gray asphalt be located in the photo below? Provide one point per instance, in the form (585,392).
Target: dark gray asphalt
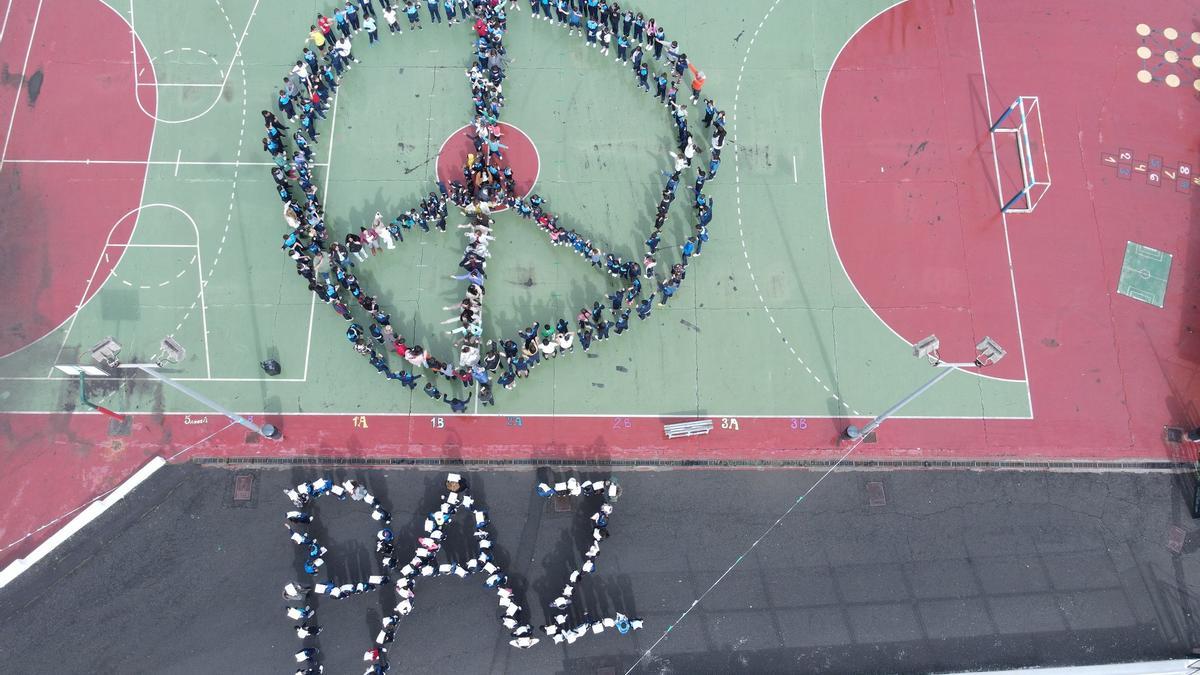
(956,571)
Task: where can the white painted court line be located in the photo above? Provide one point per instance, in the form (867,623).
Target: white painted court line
(237,50)
(21,82)
(795,174)
(203,305)
(179,84)
(824,179)
(144,162)
(4,27)
(149,245)
(1012,277)
(178,154)
(312,308)
(394,414)
(741,230)
(92,279)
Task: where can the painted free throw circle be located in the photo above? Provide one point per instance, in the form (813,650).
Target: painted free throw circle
(520,154)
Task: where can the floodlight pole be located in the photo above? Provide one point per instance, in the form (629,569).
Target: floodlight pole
(989,353)
(853,432)
(266,430)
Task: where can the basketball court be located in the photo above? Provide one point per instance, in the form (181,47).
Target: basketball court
(968,170)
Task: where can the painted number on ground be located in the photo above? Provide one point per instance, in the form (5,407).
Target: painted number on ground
(437,422)
(729,423)
(514,421)
(799,423)
(360,421)
(622,423)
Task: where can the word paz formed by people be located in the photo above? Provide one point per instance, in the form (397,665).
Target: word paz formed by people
(425,562)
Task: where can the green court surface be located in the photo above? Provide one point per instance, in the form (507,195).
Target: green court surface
(1144,273)
(767,324)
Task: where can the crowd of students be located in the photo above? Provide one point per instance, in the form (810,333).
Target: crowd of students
(487,184)
(424,563)
(561,629)
(302,497)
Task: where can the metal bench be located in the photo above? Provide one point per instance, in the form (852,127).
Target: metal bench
(684,429)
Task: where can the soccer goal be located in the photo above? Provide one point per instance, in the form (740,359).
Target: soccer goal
(1020,127)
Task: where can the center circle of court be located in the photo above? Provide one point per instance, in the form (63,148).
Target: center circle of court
(519,153)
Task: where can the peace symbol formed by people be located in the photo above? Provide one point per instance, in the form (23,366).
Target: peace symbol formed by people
(483,181)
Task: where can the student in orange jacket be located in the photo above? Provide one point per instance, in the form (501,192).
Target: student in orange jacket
(698,79)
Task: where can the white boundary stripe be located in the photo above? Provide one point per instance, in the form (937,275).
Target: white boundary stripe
(86,516)
(4,27)
(85,298)
(312,305)
(237,50)
(737,182)
(1012,276)
(151,245)
(179,84)
(393,414)
(141,161)
(21,82)
(203,303)
(824,180)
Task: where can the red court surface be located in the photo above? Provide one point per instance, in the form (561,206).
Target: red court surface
(915,213)
(74,102)
(923,241)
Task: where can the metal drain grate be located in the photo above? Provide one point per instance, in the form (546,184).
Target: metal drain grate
(875,494)
(1173,434)
(243,488)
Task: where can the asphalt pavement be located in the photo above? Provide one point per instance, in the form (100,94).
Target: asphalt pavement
(884,572)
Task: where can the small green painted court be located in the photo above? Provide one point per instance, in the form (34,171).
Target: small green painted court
(1144,274)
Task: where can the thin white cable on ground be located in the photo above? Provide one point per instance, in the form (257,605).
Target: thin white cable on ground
(741,557)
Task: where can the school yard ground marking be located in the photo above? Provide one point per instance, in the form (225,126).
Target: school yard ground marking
(858,442)
(394,414)
(737,182)
(112,271)
(241,62)
(237,55)
(21,81)
(829,221)
(138,83)
(304,377)
(147,162)
(4,26)
(85,299)
(237,163)
(312,304)
(1144,274)
(746,255)
(1012,276)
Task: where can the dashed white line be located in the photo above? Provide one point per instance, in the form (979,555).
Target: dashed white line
(738,199)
